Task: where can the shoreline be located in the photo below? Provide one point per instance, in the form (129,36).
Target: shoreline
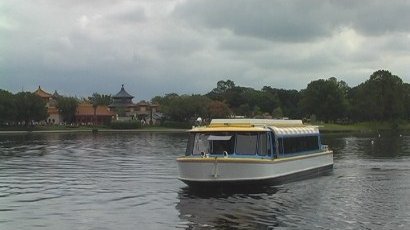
(374,127)
(165,130)
(93,131)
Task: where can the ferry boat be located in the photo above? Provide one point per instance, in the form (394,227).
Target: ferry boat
(249,151)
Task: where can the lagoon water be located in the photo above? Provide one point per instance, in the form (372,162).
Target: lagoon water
(128,181)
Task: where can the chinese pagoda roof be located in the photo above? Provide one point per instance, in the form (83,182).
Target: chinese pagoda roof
(55,94)
(40,92)
(122,94)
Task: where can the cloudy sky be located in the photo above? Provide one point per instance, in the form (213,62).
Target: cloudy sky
(155,47)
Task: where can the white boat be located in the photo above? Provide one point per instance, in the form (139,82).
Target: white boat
(247,151)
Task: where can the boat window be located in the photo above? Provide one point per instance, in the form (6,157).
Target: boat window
(263,149)
(221,143)
(190,145)
(272,144)
(246,143)
(300,144)
(201,143)
(280,146)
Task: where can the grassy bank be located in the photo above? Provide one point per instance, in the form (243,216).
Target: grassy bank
(357,127)
(363,127)
(62,129)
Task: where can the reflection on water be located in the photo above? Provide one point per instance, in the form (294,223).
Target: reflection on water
(128,181)
(244,208)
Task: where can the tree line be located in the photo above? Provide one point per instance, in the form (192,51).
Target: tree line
(23,107)
(26,108)
(383,97)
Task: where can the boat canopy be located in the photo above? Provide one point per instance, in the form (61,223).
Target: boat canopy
(296,131)
(281,128)
(254,122)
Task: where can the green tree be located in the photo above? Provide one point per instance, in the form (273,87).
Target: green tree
(288,101)
(406,100)
(218,109)
(164,101)
(100,99)
(67,107)
(277,113)
(30,107)
(261,101)
(187,108)
(326,99)
(7,106)
(379,98)
(97,100)
(244,101)
(244,110)
(219,93)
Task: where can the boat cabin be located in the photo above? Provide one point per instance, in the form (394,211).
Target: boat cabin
(252,138)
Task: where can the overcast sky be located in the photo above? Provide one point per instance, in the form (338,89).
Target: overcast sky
(155,47)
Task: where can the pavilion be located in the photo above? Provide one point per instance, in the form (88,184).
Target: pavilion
(126,109)
(54,116)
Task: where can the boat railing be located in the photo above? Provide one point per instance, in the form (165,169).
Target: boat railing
(206,155)
(324,148)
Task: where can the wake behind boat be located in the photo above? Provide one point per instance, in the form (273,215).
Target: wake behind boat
(248,151)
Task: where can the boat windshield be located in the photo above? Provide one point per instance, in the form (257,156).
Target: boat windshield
(201,144)
(239,143)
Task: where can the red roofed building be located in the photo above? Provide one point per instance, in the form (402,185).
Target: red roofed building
(43,94)
(85,114)
(54,116)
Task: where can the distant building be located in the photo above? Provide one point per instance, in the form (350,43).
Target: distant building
(85,114)
(122,104)
(125,108)
(54,116)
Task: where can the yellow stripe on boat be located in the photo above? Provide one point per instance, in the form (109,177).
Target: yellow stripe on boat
(250,160)
(228,129)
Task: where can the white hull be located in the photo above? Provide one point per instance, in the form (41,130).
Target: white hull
(192,170)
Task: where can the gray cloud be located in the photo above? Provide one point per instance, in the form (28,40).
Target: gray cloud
(298,20)
(158,47)
(263,19)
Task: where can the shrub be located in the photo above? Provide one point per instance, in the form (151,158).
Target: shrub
(125,125)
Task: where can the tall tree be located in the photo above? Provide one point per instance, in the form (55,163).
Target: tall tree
(288,101)
(98,100)
(263,101)
(186,108)
(218,109)
(7,106)
(406,100)
(67,107)
(379,98)
(30,107)
(325,99)
(219,92)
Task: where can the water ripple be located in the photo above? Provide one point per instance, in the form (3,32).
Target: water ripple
(128,181)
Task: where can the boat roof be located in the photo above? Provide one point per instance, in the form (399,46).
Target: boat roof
(255,122)
(280,127)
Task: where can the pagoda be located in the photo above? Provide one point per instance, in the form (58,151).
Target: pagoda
(54,116)
(44,95)
(122,103)
(142,111)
